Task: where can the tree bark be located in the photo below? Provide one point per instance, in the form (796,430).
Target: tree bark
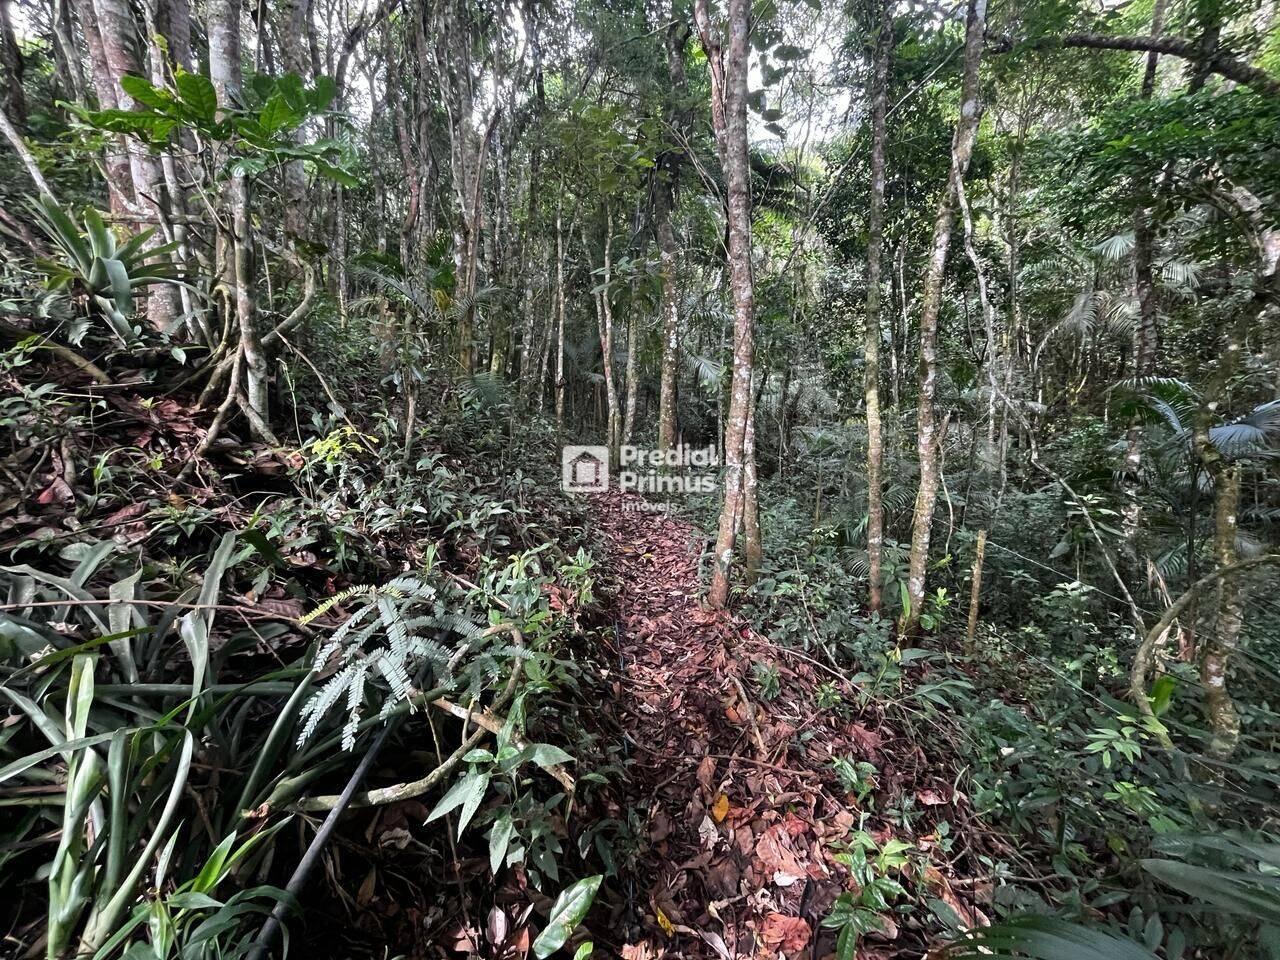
(871,335)
(560,311)
(928,438)
(668,172)
(1146,334)
(116,154)
(295,53)
(729,119)
(604,327)
(120,43)
(752,545)
(667,254)
(13,101)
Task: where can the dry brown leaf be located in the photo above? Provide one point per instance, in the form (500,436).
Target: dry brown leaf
(788,934)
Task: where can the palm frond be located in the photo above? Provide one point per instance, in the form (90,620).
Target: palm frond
(1117,247)
(1044,938)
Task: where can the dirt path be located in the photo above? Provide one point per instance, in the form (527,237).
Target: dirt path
(740,802)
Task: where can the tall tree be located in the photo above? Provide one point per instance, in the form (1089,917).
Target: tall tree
(667,175)
(871,340)
(1146,333)
(928,435)
(728,68)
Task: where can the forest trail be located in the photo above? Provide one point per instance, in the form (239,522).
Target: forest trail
(734,772)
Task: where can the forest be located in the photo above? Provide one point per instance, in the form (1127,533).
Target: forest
(789,479)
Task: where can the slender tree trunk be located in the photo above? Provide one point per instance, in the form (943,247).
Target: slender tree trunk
(871,338)
(729,120)
(1146,334)
(115,155)
(667,253)
(975,592)
(604,325)
(928,436)
(560,311)
(295,53)
(632,374)
(225,73)
(667,174)
(752,545)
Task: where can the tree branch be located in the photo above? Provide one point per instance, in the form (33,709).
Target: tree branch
(1238,70)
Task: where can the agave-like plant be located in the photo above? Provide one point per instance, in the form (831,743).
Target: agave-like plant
(103,269)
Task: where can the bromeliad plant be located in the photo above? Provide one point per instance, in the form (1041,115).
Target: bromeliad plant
(81,672)
(94,264)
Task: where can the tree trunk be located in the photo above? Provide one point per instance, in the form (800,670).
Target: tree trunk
(1146,334)
(667,253)
(225,73)
(295,53)
(752,547)
(120,41)
(116,154)
(1220,647)
(928,436)
(632,374)
(560,310)
(871,336)
(12,99)
(664,209)
(729,120)
(975,593)
(604,325)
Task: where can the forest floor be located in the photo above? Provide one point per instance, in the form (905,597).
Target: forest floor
(732,760)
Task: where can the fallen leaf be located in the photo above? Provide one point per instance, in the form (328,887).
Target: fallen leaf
(664,923)
(720,809)
(788,934)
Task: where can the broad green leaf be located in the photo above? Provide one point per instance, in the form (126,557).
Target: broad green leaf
(276,115)
(323,92)
(142,90)
(566,913)
(197,94)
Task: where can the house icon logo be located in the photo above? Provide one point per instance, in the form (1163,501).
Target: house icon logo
(584,469)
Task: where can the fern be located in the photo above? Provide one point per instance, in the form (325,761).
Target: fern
(390,638)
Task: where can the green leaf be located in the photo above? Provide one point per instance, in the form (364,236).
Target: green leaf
(197,94)
(193,901)
(847,942)
(323,92)
(276,115)
(566,913)
(102,241)
(1162,693)
(546,755)
(1044,938)
(499,840)
(142,90)
(467,794)
(336,173)
(584,951)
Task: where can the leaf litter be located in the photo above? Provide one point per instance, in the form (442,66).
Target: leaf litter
(740,804)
